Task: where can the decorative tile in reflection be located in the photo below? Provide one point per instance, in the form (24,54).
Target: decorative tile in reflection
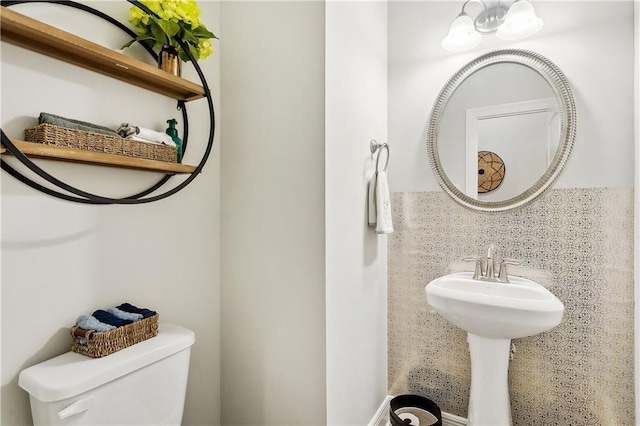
(577,242)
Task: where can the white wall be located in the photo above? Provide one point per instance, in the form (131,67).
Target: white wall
(273,296)
(356,257)
(61,259)
(301,105)
(590,41)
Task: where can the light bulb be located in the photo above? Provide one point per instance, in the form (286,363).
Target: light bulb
(462,35)
(521,21)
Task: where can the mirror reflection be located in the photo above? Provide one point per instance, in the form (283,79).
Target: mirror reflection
(501,130)
(507,112)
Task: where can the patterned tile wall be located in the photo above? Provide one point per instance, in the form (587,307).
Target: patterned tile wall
(578,243)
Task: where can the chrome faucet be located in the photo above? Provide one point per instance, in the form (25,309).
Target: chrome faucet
(489,273)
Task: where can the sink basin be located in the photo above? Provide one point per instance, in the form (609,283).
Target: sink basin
(493,309)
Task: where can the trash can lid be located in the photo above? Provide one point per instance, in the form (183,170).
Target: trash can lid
(414,410)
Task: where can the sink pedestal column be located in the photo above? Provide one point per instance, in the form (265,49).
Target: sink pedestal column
(489,402)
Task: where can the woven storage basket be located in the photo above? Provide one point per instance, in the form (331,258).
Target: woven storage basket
(99,344)
(49,134)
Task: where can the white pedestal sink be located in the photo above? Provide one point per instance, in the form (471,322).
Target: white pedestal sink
(492,313)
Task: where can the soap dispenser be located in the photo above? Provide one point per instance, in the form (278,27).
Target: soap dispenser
(173,132)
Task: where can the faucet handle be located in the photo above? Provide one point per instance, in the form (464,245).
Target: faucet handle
(502,275)
(477,273)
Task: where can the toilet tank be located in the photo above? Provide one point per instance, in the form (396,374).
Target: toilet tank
(144,384)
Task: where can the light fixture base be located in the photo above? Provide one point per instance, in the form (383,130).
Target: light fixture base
(489,21)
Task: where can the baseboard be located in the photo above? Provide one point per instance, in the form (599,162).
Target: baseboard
(381,418)
(449,419)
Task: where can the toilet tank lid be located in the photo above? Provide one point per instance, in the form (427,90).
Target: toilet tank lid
(71,374)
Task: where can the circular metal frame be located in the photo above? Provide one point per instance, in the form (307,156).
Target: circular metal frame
(89,198)
(564,97)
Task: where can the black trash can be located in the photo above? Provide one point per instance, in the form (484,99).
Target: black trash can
(414,410)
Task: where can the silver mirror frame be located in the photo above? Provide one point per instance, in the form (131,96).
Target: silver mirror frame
(564,97)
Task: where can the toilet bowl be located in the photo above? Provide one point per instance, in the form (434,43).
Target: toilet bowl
(144,384)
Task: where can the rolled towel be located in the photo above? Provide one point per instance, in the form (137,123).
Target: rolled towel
(162,140)
(124,315)
(127,130)
(139,139)
(127,307)
(92,323)
(69,123)
(152,135)
(107,318)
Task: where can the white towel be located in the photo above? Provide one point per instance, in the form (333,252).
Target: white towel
(384,223)
(142,134)
(154,136)
(136,138)
(371,207)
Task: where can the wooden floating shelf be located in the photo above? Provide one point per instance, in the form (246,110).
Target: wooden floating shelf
(52,152)
(37,36)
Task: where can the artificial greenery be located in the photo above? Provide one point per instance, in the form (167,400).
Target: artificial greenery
(177,18)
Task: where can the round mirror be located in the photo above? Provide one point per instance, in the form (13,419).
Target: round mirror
(501,130)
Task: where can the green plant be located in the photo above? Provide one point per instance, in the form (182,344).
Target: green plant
(177,18)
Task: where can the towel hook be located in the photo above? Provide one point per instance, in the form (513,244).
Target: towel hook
(375,146)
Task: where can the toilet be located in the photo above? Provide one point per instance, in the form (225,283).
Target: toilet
(144,384)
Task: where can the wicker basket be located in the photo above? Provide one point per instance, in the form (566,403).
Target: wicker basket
(99,344)
(49,134)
